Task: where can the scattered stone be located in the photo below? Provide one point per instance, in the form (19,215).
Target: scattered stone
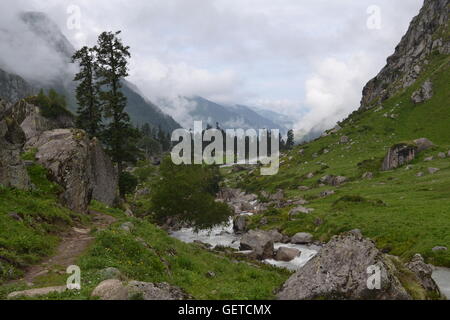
(302,238)
(439,248)
(303,188)
(287,254)
(339,271)
(367,175)
(259,242)
(36,292)
(433,170)
(210,274)
(327,193)
(129,213)
(300,209)
(448,154)
(442,155)
(420,174)
(428,159)
(344,139)
(275,235)
(127,226)
(310,175)
(15,216)
(278,196)
(423,144)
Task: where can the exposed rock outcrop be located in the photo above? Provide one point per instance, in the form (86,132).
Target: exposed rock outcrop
(423,37)
(13,172)
(423,273)
(404,153)
(424,93)
(13,87)
(78,165)
(340,271)
(33,123)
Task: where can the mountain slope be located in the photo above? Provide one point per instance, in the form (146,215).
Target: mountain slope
(13,87)
(404,210)
(49,36)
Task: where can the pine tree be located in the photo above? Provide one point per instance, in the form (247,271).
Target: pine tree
(119,135)
(290,140)
(87,93)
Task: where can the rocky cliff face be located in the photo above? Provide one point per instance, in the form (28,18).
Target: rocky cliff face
(13,87)
(428,33)
(12,169)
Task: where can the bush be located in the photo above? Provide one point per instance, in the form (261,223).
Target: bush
(127,183)
(187,192)
(52,105)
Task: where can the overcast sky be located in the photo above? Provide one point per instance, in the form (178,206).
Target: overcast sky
(305,58)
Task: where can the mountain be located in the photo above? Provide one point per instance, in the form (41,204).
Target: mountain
(48,37)
(14,87)
(278,118)
(385,170)
(230,117)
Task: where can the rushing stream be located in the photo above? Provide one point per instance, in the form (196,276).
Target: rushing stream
(224,236)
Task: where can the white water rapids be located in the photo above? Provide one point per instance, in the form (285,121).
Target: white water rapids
(224,236)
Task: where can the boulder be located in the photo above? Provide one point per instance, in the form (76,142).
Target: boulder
(110,273)
(127,226)
(31,293)
(327,193)
(300,209)
(286,254)
(439,248)
(433,170)
(78,165)
(154,291)
(367,175)
(240,224)
(428,159)
(275,235)
(278,196)
(259,242)
(344,139)
(112,289)
(423,273)
(423,144)
(442,155)
(340,271)
(302,238)
(310,175)
(424,93)
(399,155)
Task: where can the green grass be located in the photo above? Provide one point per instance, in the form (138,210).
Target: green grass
(404,213)
(149,254)
(27,240)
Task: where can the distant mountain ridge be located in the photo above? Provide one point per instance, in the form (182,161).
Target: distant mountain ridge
(13,87)
(231,116)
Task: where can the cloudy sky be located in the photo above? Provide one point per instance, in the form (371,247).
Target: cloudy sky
(308,59)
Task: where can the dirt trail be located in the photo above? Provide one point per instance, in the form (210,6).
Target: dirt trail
(72,245)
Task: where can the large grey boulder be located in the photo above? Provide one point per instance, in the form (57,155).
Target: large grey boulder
(340,271)
(423,144)
(240,224)
(78,165)
(286,254)
(399,155)
(13,172)
(302,238)
(114,289)
(259,242)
